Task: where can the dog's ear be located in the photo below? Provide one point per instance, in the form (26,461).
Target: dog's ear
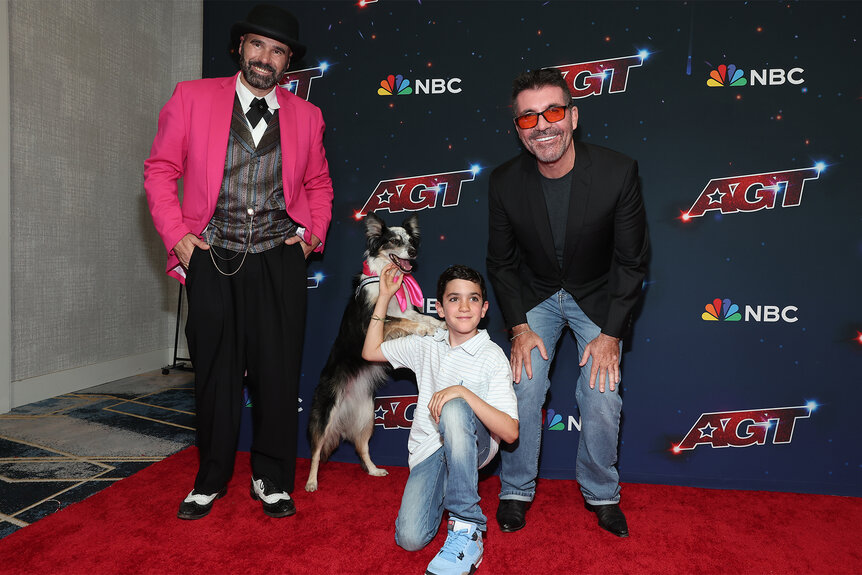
(374,226)
(411,226)
(375,233)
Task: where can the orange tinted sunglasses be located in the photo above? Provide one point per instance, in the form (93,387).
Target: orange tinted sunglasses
(553,114)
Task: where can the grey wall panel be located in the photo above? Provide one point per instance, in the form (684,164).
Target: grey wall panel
(88,78)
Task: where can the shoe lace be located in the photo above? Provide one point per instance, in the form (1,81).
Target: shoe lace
(456,543)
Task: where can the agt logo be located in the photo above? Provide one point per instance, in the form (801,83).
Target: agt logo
(725,310)
(753,192)
(590,78)
(299,81)
(733,77)
(398,85)
(395,411)
(554,421)
(744,428)
(418,192)
(313,282)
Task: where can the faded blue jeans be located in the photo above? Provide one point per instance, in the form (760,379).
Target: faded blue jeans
(595,468)
(448,479)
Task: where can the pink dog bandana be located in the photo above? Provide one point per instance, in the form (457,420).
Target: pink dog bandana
(410,285)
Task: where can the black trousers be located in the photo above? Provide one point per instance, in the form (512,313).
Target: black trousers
(254,322)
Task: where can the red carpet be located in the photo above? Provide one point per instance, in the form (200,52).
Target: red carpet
(347,527)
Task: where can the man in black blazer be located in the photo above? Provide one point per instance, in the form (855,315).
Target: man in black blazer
(567,247)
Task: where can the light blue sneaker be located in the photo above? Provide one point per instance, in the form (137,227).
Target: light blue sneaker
(462,552)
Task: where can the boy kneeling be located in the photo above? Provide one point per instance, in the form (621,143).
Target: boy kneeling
(466,405)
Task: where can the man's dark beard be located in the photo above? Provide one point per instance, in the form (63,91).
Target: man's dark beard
(257,80)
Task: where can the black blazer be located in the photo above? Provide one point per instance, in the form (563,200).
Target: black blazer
(605,256)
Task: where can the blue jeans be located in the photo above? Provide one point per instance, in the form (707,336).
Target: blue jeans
(448,479)
(600,412)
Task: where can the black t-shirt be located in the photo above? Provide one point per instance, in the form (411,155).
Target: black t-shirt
(557,192)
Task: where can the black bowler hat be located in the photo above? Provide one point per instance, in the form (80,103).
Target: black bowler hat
(272,22)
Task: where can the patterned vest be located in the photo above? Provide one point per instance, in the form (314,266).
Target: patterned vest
(250,213)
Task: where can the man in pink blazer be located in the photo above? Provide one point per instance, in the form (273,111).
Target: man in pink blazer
(256,201)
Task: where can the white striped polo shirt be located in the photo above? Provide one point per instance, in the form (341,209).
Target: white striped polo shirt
(478,364)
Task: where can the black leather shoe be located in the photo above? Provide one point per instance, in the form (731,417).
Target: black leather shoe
(276,503)
(611,518)
(197,505)
(512,514)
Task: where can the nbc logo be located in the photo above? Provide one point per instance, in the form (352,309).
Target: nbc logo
(725,310)
(398,85)
(721,310)
(555,421)
(731,76)
(394,86)
(726,76)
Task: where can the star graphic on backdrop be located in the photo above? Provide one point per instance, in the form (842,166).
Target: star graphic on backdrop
(384,196)
(379,412)
(706,430)
(715,197)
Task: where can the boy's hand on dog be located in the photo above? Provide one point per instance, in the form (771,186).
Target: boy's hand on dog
(390,280)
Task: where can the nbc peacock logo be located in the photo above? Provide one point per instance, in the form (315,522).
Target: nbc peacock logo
(559,422)
(728,75)
(394,85)
(721,310)
(554,420)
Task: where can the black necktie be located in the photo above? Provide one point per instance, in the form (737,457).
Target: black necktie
(258,110)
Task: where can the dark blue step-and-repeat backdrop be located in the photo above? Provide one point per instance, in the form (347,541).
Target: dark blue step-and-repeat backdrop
(745,363)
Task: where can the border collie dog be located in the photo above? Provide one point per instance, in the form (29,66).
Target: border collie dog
(343,404)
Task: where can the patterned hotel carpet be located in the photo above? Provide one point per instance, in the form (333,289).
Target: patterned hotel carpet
(62,450)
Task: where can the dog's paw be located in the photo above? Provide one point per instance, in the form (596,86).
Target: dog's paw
(377,472)
(426,329)
(311,486)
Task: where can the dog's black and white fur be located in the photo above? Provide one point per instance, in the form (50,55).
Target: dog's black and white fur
(343,404)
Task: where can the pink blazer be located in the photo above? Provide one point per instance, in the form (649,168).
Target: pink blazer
(191,143)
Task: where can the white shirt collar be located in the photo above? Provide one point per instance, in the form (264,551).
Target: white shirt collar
(471,346)
(246,97)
